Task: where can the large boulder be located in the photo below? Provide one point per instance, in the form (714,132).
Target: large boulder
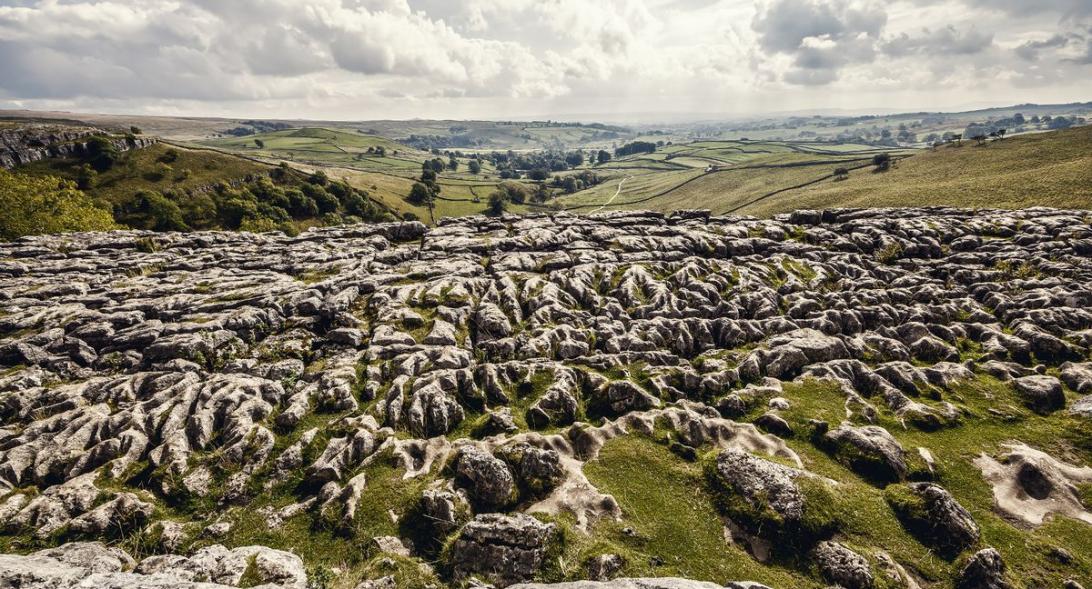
(487,480)
(934,517)
(984,570)
(1043,394)
(767,498)
(504,549)
(871,451)
(1078,377)
(538,470)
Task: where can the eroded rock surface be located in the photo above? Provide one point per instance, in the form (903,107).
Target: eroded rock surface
(494,357)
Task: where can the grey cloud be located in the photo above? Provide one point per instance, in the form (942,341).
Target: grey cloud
(1085,57)
(355,53)
(822,37)
(520,56)
(1067,8)
(784,25)
(1030,50)
(947,41)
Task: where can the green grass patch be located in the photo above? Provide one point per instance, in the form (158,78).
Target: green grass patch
(676,527)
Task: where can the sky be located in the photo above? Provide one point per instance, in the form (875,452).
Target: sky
(563,59)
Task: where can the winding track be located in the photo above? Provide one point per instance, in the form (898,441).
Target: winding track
(611,199)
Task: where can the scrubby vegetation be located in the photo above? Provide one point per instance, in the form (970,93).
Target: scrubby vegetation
(168,188)
(46,204)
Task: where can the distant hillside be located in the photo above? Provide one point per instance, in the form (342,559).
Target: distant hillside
(326,146)
(1043,169)
(167,187)
(1039,169)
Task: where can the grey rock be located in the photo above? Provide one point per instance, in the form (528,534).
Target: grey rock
(1041,393)
(488,481)
(762,483)
(842,566)
(604,567)
(942,524)
(505,549)
(984,570)
(870,450)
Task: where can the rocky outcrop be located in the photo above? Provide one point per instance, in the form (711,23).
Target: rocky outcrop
(984,570)
(91,564)
(870,450)
(1043,394)
(931,513)
(23,145)
(503,549)
(842,566)
(1029,484)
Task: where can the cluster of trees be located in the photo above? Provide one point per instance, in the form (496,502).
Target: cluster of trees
(538,166)
(430,142)
(423,193)
(31,205)
(262,203)
(535,165)
(576,182)
(1017,123)
(507,192)
(635,147)
(253,127)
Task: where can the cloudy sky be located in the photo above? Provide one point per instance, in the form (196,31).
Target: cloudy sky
(369,59)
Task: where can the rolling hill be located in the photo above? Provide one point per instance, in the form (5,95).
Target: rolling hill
(1042,169)
(171,187)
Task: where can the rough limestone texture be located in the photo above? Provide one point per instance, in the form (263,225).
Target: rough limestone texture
(140,372)
(93,565)
(23,145)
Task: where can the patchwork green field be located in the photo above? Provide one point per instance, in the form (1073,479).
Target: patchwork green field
(326,146)
(767,178)
(716,175)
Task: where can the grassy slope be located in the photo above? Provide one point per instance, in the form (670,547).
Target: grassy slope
(664,499)
(131,174)
(718,191)
(309,138)
(327,146)
(391,190)
(389,179)
(1047,169)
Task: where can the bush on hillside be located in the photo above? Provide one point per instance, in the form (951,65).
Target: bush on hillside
(35,205)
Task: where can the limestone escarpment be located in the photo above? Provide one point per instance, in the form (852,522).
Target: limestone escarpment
(156,382)
(23,145)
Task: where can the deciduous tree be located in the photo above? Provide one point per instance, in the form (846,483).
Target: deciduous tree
(33,205)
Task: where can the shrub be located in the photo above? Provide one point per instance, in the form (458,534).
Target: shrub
(101,153)
(46,204)
(419,194)
(889,253)
(882,161)
(258,225)
(498,202)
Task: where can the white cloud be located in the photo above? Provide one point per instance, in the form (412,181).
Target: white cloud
(377,58)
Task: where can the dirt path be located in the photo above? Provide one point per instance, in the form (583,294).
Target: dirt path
(611,199)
